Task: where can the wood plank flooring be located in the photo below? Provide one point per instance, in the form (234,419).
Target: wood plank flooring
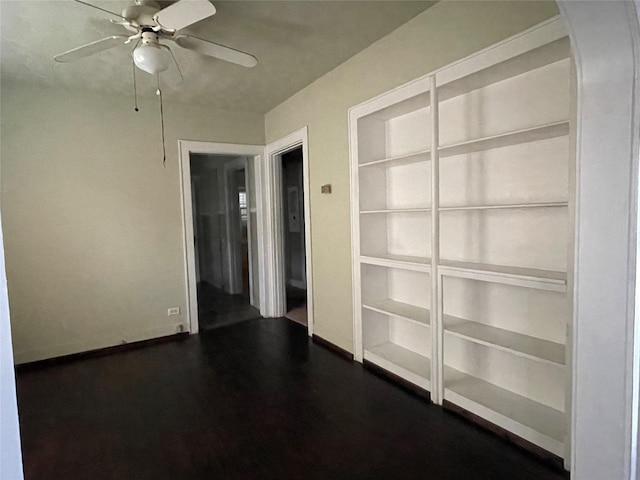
(255,400)
(218,309)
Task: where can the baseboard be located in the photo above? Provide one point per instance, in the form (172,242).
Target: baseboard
(557,463)
(96,343)
(399,381)
(332,347)
(100,352)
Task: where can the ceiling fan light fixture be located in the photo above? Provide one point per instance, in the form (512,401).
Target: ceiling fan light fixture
(152,58)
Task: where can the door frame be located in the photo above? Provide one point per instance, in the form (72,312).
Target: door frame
(186,148)
(275,300)
(231,208)
(194,216)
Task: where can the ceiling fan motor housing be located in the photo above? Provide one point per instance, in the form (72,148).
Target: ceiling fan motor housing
(148,36)
(140,14)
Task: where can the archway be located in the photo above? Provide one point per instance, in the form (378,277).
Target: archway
(604,38)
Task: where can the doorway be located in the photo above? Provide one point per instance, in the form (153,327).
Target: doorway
(222,239)
(294,235)
(273,196)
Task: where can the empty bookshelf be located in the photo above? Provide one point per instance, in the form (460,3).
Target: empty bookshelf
(462,214)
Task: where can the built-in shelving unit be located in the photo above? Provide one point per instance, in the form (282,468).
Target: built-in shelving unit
(462,234)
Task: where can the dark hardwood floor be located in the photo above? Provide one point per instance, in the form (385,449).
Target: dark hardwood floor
(218,309)
(255,400)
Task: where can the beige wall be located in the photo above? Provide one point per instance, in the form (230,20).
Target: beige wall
(91,218)
(446,32)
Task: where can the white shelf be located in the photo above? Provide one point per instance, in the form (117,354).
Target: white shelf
(421,264)
(418,102)
(533,421)
(541,132)
(418,315)
(529,277)
(505,206)
(402,362)
(400,160)
(396,210)
(516,343)
(538,57)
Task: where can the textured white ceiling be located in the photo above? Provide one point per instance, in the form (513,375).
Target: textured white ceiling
(295,42)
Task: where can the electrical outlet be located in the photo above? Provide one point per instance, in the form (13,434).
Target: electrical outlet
(173,311)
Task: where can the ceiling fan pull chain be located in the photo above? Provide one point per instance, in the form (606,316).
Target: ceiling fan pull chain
(159,93)
(135,85)
(135,90)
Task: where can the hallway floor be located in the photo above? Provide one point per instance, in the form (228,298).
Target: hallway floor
(296,305)
(217,308)
(256,400)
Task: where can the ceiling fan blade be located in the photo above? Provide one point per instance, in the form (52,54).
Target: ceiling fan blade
(100,8)
(184,13)
(216,50)
(90,48)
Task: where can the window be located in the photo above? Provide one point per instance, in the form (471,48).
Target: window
(242,201)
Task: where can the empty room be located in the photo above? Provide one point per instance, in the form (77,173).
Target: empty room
(319,239)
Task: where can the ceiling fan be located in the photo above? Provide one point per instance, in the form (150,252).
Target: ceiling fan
(147,24)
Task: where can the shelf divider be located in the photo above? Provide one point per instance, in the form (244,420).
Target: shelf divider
(524,277)
(399,160)
(522,345)
(418,315)
(437,335)
(505,206)
(525,62)
(397,210)
(420,264)
(402,362)
(540,132)
(531,420)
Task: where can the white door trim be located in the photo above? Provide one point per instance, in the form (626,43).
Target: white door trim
(194,213)
(186,147)
(273,224)
(231,206)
